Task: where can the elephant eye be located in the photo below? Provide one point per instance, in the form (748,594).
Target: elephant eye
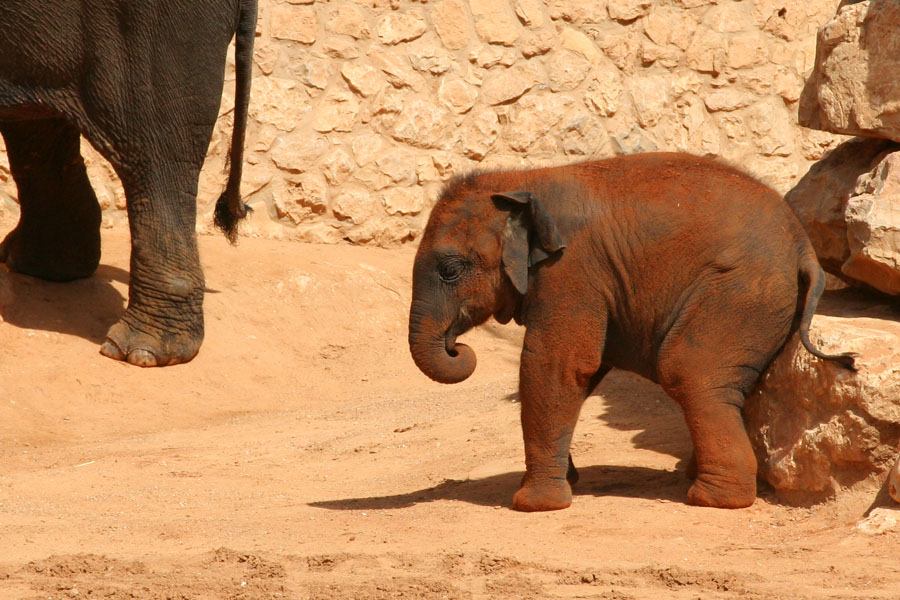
(451,268)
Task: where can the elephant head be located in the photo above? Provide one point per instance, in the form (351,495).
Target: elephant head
(472,263)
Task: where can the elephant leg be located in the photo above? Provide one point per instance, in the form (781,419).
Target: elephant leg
(725,463)
(554,381)
(58,235)
(572,473)
(710,361)
(163,324)
(710,381)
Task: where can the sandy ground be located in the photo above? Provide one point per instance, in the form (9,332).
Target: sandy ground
(302,455)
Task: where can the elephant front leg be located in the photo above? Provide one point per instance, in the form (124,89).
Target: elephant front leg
(58,235)
(163,324)
(553,386)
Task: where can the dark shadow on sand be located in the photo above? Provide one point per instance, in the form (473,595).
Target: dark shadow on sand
(498,490)
(85,308)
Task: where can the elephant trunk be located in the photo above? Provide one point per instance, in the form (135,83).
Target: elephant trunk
(435,351)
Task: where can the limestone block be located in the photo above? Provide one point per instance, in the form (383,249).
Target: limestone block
(854,88)
(873,228)
(534,119)
(394,28)
(530,12)
(581,12)
(495,23)
(298,152)
(363,79)
(347,19)
(300,197)
(336,111)
(650,96)
(818,428)
(367,147)
(451,22)
(337,165)
(385,232)
(278,101)
(584,136)
(727,99)
(537,44)
(424,125)
(458,95)
(428,59)
(479,133)
(770,126)
(577,41)
(746,49)
(357,206)
(894,481)
(398,165)
(605,90)
(403,200)
(265,57)
(567,70)
(397,67)
(627,10)
(312,72)
(706,52)
(341,48)
(821,197)
(507,85)
(294,23)
(491,56)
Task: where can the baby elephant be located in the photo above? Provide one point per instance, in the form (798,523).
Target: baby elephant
(678,268)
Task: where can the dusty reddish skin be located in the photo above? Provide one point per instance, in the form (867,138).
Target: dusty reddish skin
(678,268)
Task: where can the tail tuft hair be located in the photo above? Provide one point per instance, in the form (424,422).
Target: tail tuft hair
(226,219)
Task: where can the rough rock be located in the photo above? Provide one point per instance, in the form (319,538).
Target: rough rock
(495,23)
(451,22)
(403,27)
(844,203)
(854,88)
(818,428)
(873,227)
(893,482)
(295,23)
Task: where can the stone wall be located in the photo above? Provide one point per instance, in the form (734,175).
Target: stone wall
(362,108)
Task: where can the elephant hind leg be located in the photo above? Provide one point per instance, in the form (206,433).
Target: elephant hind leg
(725,472)
(58,235)
(711,394)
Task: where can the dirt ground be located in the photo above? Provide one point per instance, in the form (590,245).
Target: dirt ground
(302,455)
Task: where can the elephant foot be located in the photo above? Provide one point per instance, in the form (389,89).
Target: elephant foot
(552,494)
(706,491)
(52,260)
(130,345)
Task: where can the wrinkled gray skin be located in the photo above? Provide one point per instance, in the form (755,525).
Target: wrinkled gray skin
(142,81)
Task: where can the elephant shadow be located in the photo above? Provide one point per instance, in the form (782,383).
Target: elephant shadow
(632,403)
(85,308)
(497,490)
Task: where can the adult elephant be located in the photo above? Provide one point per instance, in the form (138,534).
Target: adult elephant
(142,81)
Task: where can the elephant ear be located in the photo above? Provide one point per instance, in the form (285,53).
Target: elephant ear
(531,235)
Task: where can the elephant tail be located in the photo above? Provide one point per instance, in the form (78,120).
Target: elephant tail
(230,209)
(813,276)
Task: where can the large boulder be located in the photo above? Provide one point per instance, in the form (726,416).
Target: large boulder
(818,428)
(854,88)
(847,204)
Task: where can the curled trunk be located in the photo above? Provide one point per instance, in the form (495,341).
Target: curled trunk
(435,351)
